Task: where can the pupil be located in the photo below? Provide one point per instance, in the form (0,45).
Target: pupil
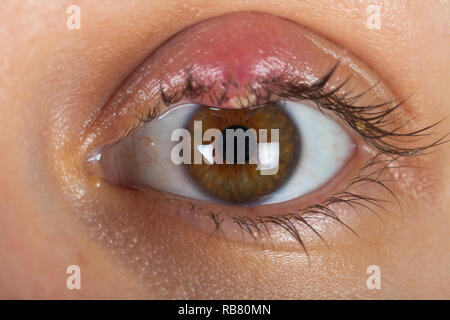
(235,144)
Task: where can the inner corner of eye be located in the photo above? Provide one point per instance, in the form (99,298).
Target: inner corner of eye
(269,154)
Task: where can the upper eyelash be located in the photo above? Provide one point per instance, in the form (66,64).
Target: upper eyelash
(370,122)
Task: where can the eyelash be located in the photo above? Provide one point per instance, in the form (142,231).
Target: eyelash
(370,122)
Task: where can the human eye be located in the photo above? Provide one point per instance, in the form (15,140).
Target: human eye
(343,137)
(287,150)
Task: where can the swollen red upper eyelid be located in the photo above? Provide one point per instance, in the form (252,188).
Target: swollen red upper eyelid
(240,47)
(244,47)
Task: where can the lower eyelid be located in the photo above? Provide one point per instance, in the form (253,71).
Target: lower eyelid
(203,216)
(112,213)
(221,222)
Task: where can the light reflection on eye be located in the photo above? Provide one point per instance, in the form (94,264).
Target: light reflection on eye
(311,149)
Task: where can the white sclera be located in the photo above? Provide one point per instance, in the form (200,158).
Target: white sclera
(145,157)
(325,148)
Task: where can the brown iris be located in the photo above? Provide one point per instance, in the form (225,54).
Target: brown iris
(239,178)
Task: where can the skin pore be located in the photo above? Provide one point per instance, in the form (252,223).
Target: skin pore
(53,81)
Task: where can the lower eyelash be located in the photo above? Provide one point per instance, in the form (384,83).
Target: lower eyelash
(259,227)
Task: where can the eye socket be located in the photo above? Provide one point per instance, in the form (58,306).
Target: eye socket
(286,150)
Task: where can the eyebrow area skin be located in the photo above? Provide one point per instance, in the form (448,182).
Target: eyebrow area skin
(54,79)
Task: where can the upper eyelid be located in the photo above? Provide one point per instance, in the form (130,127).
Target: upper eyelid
(114,104)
